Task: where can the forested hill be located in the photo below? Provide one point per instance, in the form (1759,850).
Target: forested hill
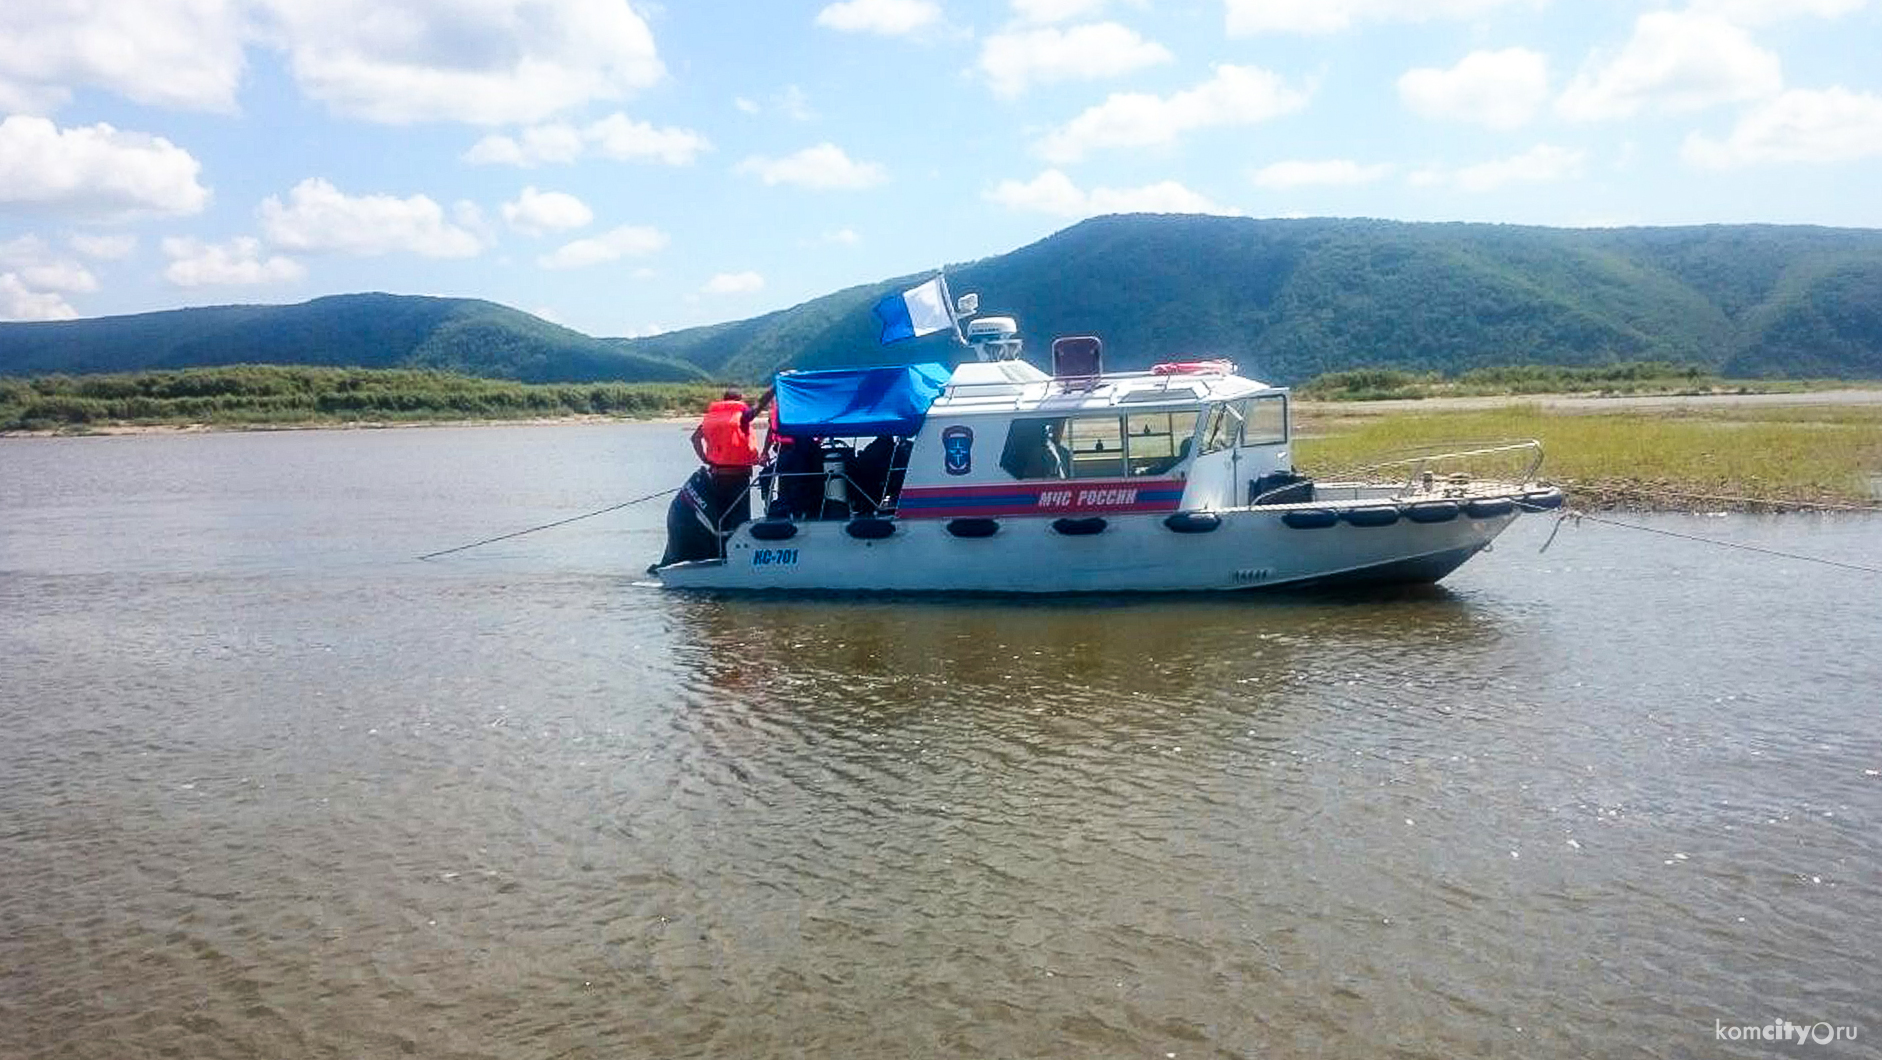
(1291,299)
(356,331)
(1285,299)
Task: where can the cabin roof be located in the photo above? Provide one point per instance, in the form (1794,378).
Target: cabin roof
(991,387)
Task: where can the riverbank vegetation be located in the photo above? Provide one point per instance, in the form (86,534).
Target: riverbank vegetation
(1607,380)
(271,396)
(1739,457)
(1746,459)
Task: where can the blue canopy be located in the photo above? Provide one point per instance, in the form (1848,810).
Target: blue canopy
(849,402)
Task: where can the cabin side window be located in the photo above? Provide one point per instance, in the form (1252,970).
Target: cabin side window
(1035,448)
(1097,446)
(1264,420)
(1159,440)
(1085,446)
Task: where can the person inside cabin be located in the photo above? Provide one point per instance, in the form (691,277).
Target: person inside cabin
(869,473)
(723,441)
(1034,450)
(799,471)
(1058,458)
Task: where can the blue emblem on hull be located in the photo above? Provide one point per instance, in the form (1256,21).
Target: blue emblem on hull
(957,450)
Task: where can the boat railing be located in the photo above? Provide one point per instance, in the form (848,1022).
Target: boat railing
(1424,469)
(998,388)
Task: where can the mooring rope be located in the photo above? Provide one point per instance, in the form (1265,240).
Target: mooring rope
(1762,502)
(550,526)
(1578,516)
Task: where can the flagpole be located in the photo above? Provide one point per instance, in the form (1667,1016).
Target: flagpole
(947,299)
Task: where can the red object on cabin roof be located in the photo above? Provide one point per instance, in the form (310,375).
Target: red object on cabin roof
(1212,367)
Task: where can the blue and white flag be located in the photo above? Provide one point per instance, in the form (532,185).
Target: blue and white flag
(916,312)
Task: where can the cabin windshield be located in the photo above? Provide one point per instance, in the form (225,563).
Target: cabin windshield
(1250,421)
(1106,445)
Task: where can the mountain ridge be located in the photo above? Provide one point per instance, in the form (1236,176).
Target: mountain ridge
(1290,300)
(370,330)
(1287,299)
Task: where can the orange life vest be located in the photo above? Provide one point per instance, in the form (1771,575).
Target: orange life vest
(728,435)
(774,437)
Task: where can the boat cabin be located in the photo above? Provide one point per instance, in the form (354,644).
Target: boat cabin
(1000,476)
(1000,437)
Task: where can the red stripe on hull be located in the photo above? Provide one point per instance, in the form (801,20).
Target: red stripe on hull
(1092,497)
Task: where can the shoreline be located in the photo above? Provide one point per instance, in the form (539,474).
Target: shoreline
(1597,492)
(1306,410)
(121,429)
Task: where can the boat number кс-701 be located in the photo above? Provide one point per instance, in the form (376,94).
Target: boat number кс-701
(774,557)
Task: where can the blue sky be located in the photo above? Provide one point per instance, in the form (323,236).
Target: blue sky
(626,167)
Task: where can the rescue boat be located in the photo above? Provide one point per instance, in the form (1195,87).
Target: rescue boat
(996,476)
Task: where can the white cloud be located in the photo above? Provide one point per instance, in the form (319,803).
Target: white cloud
(846,237)
(26,250)
(1541,164)
(823,167)
(616,137)
(535,212)
(1285,176)
(1833,125)
(1764,12)
(539,145)
(623,140)
(34,281)
(470,217)
(319,217)
(1236,95)
(792,102)
(626,241)
(893,18)
(194,263)
(1500,89)
(105,248)
(488,62)
(34,266)
(1015,60)
(1052,192)
(734,283)
(1676,61)
(1044,12)
(96,170)
(66,276)
(166,53)
(18,301)
(1247,17)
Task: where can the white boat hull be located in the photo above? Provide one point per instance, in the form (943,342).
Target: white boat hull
(1251,548)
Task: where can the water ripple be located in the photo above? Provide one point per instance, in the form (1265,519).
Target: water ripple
(272,789)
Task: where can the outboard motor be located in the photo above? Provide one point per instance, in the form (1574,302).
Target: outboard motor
(693,521)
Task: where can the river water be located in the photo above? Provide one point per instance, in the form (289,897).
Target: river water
(270,787)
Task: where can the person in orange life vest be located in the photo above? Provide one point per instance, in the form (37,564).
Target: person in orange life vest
(723,441)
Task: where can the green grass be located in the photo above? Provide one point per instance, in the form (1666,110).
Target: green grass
(1608,380)
(1766,458)
(261,395)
